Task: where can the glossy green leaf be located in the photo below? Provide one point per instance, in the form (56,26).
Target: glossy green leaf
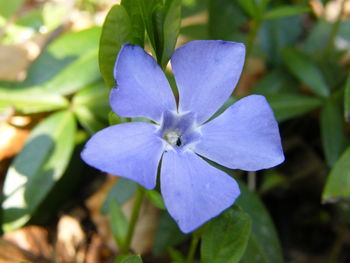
(138,28)
(115,32)
(132,259)
(287,106)
(225,238)
(119,223)
(91,106)
(263,245)
(162,23)
(284,11)
(152,16)
(156,199)
(37,168)
(347,99)
(167,235)
(88,120)
(338,182)
(8,8)
(60,53)
(332,132)
(59,69)
(303,68)
(30,102)
(75,76)
(171,28)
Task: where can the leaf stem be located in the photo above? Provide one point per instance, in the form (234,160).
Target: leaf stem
(193,247)
(256,22)
(134,216)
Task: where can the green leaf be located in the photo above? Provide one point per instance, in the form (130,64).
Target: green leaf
(30,102)
(162,23)
(275,82)
(287,106)
(338,182)
(8,8)
(121,192)
(115,32)
(60,53)
(284,11)
(332,132)
(119,224)
(225,238)
(171,28)
(138,28)
(75,76)
(263,245)
(303,68)
(249,6)
(176,256)
(91,106)
(152,15)
(167,235)
(276,34)
(156,199)
(225,20)
(347,99)
(37,168)
(132,259)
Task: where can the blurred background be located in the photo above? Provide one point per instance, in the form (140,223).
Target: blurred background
(52,98)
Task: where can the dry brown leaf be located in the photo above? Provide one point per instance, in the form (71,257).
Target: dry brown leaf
(30,242)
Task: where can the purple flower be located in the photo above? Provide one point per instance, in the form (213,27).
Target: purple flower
(245,136)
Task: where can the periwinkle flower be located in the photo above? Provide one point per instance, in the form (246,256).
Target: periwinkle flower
(245,136)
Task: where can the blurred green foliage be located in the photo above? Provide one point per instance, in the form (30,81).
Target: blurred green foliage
(304,74)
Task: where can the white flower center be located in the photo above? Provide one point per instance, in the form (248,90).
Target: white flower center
(173,138)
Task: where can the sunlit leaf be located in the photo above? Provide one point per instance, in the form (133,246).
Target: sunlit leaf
(37,168)
(132,259)
(75,76)
(8,8)
(30,102)
(91,106)
(115,32)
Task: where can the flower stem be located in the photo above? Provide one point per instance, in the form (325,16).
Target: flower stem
(252,34)
(335,30)
(134,216)
(193,247)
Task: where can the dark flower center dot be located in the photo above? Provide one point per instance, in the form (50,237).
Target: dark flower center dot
(178,142)
(178,130)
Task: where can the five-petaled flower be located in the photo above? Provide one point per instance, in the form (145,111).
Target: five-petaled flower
(245,136)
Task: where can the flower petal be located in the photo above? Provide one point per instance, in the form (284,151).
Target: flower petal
(194,191)
(206,73)
(245,136)
(142,88)
(131,150)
